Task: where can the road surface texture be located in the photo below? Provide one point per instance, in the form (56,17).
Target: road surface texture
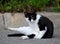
(20,21)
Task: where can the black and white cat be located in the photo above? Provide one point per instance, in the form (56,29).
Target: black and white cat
(40,23)
(39,27)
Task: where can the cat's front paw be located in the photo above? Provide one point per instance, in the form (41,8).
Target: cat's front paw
(24,37)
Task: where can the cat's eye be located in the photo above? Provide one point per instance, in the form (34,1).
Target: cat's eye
(32,16)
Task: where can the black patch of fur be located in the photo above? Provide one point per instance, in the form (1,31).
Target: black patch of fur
(31,36)
(44,21)
(16,35)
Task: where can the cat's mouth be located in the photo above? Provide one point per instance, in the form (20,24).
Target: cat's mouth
(32,21)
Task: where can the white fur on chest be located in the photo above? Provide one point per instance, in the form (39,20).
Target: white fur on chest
(34,25)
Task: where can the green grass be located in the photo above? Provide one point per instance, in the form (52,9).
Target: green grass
(20,5)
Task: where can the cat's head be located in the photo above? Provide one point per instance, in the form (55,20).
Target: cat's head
(30,16)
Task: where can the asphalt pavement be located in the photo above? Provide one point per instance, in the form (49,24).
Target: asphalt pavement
(54,17)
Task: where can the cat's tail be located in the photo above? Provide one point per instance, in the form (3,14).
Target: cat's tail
(16,35)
